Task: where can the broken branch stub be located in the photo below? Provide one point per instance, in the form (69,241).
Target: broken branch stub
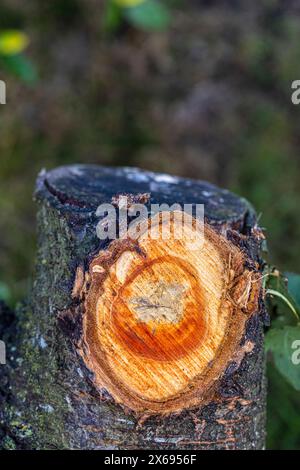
(163,318)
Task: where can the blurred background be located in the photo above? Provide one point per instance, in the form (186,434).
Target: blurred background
(199,88)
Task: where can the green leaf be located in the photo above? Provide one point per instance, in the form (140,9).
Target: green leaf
(288,301)
(112,17)
(294,286)
(284,345)
(20,66)
(128,3)
(12,42)
(149,15)
(5,293)
(282,305)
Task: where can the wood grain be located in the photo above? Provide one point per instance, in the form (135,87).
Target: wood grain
(163,317)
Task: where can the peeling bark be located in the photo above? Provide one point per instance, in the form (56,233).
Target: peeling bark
(50,394)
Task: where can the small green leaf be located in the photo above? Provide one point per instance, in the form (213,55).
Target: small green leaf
(12,42)
(112,17)
(20,66)
(149,15)
(294,286)
(284,345)
(5,293)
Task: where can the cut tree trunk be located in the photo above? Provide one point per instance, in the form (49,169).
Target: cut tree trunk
(144,342)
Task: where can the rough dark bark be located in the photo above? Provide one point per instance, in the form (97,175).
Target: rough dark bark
(48,399)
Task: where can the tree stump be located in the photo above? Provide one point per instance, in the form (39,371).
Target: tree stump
(138,343)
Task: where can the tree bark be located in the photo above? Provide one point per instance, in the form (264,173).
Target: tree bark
(58,391)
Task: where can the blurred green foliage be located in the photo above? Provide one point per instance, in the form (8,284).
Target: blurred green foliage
(119,98)
(12,45)
(20,66)
(283,424)
(282,341)
(147,15)
(4,292)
